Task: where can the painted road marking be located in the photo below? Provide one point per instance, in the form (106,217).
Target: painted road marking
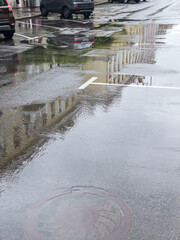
(90,81)
(41,25)
(24,36)
(20,35)
(47,26)
(140,86)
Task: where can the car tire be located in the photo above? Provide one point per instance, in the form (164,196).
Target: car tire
(44,12)
(137,1)
(86,15)
(66,13)
(110,1)
(8,35)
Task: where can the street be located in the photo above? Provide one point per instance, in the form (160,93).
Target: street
(89,125)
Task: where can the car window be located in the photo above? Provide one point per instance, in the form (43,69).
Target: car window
(3,3)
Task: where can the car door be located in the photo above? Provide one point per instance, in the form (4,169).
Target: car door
(53,5)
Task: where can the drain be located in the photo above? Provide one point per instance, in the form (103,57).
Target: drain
(78,214)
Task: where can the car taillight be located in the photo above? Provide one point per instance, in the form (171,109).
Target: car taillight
(76,42)
(9,7)
(13,20)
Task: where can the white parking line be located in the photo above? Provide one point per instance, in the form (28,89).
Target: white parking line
(41,25)
(90,81)
(138,86)
(24,36)
(48,26)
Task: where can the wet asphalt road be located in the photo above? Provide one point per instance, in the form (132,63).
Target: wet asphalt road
(120,133)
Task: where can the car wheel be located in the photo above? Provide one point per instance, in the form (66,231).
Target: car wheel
(137,1)
(110,1)
(8,35)
(86,15)
(44,12)
(66,13)
(120,1)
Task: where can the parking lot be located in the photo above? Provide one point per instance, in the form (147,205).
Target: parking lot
(89,125)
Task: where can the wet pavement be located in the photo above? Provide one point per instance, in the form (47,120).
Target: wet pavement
(97,159)
(26,13)
(67,210)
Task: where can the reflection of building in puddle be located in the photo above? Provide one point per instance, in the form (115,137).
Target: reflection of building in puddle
(35,24)
(31,64)
(21,127)
(136,44)
(39,60)
(8,70)
(142,52)
(115,63)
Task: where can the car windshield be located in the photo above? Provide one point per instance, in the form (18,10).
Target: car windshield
(3,3)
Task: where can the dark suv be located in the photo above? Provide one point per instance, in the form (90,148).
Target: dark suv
(7,20)
(67,7)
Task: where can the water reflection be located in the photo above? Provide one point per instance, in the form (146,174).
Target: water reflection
(135,45)
(24,66)
(8,70)
(142,52)
(75,41)
(21,127)
(32,25)
(49,52)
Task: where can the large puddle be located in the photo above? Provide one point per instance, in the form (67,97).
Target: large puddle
(39,98)
(36,77)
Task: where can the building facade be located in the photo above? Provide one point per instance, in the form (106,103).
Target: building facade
(24,3)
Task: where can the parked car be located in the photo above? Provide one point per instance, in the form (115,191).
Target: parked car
(7,20)
(67,7)
(125,1)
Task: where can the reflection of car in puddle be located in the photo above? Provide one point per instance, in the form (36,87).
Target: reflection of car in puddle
(76,41)
(143,80)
